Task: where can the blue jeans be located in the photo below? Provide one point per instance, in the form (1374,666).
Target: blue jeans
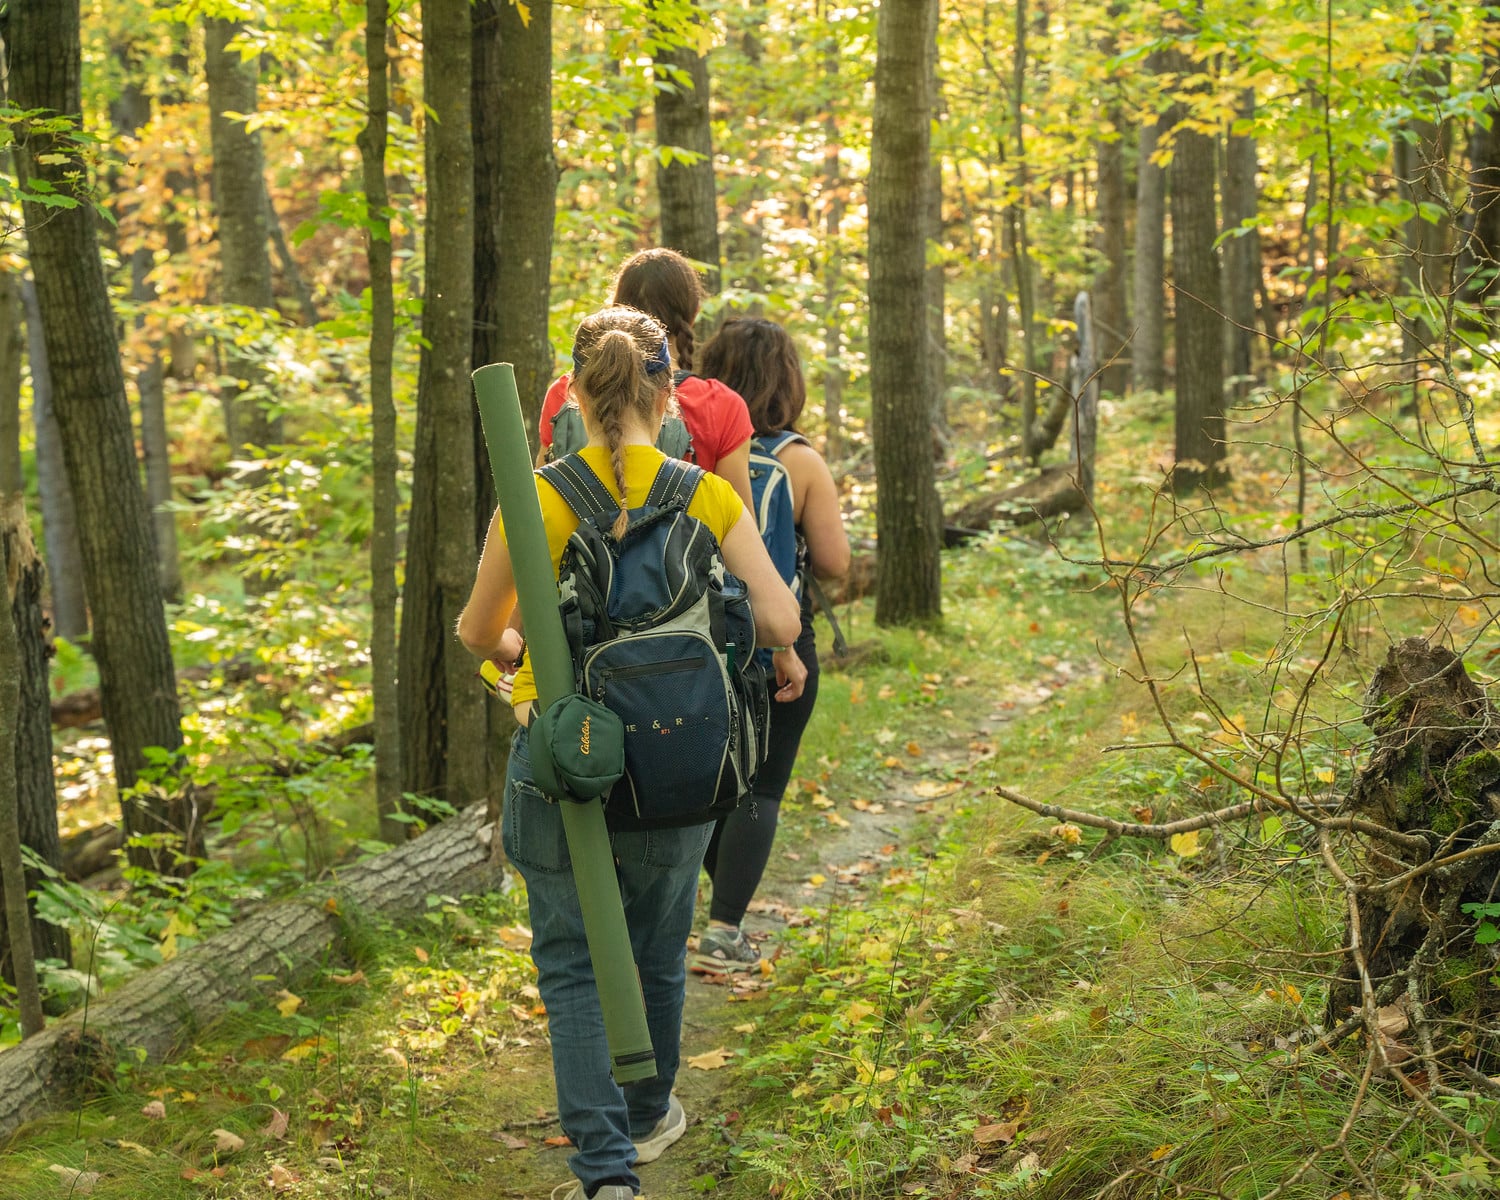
(658,873)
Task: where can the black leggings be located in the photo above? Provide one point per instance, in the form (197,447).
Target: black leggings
(745,835)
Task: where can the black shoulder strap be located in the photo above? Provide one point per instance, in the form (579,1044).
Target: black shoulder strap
(674,480)
(577,483)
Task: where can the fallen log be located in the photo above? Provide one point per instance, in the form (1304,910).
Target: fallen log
(162,1010)
(1051,494)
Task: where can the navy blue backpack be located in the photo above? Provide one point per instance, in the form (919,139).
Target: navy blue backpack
(661,633)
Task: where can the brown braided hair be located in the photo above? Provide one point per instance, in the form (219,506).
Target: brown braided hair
(664,284)
(610,351)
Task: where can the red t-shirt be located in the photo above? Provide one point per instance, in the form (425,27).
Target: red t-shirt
(714,414)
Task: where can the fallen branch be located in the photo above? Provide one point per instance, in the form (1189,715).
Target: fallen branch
(165,1008)
(1132,828)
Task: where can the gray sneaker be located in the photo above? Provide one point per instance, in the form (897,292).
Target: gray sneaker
(573,1190)
(667,1130)
(721,950)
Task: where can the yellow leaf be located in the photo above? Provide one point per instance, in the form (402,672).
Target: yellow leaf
(1291,992)
(1162,1151)
(524,12)
(747,1027)
(933,789)
(817,880)
(302,1049)
(821,800)
(710,1060)
(886,692)
(136,1146)
(1129,723)
(348,980)
(287,1003)
(858,1011)
(837,820)
(422,955)
(914,749)
(1185,845)
(1325,776)
(890,760)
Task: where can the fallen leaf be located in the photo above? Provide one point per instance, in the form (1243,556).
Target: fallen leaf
(1000,1134)
(886,692)
(1185,845)
(914,749)
(348,980)
(934,789)
(1142,813)
(155,1111)
(287,1003)
(331,905)
(747,1027)
(302,1049)
(78,1183)
(1029,1162)
(563,1140)
(1162,1151)
(276,1126)
(965,1164)
(395,1056)
(710,1060)
(422,955)
(817,880)
(515,937)
(890,760)
(511,1142)
(822,800)
(1391,1020)
(1068,833)
(122,1144)
(282,1178)
(227,1143)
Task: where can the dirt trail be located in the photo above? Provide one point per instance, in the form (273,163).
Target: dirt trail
(851,848)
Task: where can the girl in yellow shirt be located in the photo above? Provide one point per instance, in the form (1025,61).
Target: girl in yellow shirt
(622,380)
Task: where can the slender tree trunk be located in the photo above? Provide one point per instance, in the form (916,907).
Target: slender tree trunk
(1480,273)
(12,345)
(383,555)
(1241,250)
(130,112)
(35,791)
(137,684)
(908,515)
(833,219)
(1021,245)
(242,207)
(70,610)
(1421,154)
(1111,324)
(689,206)
(442,705)
(515,187)
(1147,353)
(1199,377)
(934,280)
(15,947)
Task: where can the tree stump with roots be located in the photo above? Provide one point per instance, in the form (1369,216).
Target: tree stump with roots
(1433,773)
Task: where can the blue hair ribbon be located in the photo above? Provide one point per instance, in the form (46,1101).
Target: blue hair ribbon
(655,365)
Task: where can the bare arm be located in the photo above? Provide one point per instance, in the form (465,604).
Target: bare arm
(486,621)
(735,467)
(778,620)
(819,514)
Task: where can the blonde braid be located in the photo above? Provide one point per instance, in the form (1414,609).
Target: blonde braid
(614,435)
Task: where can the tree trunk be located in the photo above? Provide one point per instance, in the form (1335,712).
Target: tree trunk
(1086,378)
(1199,377)
(1111,322)
(934,281)
(443,749)
(36,793)
(1433,773)
(159,1011)
(689,206)
(908,515)
(1480,272)
(1147,354)
(130,632)
(17,955)
(384,557)
(70,610)
(12,345)
(1021,246)
(1421,154)
(833,218)
(129,113)
(242,208)
(1241,249)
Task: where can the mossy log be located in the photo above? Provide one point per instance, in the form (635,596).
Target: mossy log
(1051,494)
(162,1010)
(1433,772)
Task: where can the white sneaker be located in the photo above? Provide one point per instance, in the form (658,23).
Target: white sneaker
(667,1130)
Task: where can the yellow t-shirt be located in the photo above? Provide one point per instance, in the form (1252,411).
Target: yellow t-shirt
(715,503)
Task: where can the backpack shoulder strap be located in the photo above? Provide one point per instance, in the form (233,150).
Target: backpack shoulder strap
(674,480)
(577,483)
(775,443)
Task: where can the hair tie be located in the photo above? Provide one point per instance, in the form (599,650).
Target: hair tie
(655,365)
